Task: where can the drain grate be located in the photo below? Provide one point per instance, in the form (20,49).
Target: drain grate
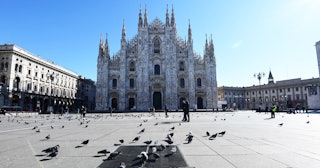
(129,157)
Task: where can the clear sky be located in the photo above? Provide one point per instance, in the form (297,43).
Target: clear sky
(250,36)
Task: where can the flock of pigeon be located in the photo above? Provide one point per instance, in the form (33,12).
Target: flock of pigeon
(155,147)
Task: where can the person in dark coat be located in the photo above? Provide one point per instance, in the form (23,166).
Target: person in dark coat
(185,107)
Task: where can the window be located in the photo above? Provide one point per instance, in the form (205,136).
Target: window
(29,86)
(156,46)
(16,67)
(297,89)
(199,82)
(20,68)
(182,84)
(181,66)
(288,89)
(157,69)
(131,66)
(29,72)
(114,83)
(131,83)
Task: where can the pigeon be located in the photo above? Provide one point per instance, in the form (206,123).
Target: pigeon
(208,134)
(281,124)
(35,127)
(140,125)
(51,149)
(105,151)
(48,136)
(189,138)
(52,127)
(172,128)
(86,126)
(154,149)
(142,131)
(169,141)
(122,165)
(171,134)
(136,139)
(143,156)
(212,137)
(121,141)
(85,142)
(62,126)
(113,155)
(148,142)
(38,130)
(308,122)
(173,149)
(222,133)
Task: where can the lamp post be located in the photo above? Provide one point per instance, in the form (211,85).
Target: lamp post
(50,100)
(259,76)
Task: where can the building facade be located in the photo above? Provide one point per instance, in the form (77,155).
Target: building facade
(285,94)
(34,84)
(86,93)
(155,69)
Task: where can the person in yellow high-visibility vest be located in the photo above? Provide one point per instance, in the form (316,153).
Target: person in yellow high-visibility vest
(273,111)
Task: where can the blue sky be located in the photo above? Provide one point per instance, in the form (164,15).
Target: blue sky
(250,36)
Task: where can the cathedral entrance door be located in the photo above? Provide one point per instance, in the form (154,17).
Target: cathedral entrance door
(114,103)
(199,103)
(157,100)
(131,103)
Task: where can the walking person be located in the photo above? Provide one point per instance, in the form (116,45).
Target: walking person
(185,107)
(166,111)
(83,111)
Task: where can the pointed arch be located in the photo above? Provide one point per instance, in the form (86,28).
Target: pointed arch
(156,45)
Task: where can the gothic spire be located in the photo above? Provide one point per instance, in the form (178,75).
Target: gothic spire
(211,45)
(270,78)
(107,47)
(140,23)
(167,18)
(189,33)
(206,46)
(145,17)
(101,47)
(123,32)
(173,22)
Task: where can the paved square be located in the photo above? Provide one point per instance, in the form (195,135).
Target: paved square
(251,140)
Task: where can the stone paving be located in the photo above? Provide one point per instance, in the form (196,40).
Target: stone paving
(251,139)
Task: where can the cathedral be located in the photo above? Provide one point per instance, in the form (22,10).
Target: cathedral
(156,68)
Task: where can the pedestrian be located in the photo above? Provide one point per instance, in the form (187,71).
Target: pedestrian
(166,110)
(83,111)
(273,111)
(110,110)
(185,107)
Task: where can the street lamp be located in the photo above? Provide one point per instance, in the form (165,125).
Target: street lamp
(259,76)
(50,108)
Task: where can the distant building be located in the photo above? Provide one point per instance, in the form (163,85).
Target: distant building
(156,68)
(86,93)
(35,84)
(285,94)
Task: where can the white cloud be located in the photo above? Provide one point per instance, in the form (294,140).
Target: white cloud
(237,44)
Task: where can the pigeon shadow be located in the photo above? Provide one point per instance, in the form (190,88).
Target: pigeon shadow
(98,156)
(268,118)
(78,146)
(40,155)
(169,122)
(46,159)
(117,144)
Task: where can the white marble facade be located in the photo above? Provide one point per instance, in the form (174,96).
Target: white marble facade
(156,68)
